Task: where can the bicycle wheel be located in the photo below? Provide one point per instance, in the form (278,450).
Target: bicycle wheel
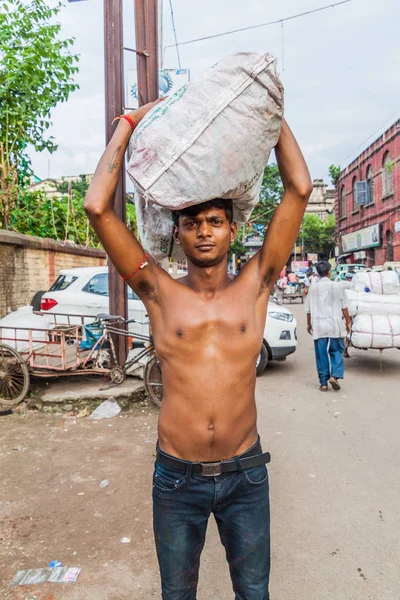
(14,376)
(153,381)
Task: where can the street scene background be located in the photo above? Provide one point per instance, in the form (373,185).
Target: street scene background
(79,491)
(333,479)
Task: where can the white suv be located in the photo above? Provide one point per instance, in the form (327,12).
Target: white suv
(84,291)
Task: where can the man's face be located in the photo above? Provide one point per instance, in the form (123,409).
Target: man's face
(205,238)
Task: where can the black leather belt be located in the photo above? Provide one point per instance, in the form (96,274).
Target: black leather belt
(254,457)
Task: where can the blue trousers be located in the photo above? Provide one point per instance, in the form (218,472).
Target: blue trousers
(329,358)
(182,505)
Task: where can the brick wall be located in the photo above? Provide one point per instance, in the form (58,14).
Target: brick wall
(384,208)
(29,264)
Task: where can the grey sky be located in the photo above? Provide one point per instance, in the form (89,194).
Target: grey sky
(341,71)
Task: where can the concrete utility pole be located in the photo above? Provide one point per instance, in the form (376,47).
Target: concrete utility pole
(147,23)
(114,84)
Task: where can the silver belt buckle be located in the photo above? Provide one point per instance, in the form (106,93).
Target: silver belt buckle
(211,469)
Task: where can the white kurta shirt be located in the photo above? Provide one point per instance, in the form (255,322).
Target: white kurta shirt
(325,301)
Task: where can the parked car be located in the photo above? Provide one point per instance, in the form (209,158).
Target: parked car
(85,291)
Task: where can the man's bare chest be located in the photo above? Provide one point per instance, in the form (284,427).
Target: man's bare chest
(225,320)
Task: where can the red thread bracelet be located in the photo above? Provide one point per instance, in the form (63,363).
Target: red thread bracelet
(127,118)
(130,121)
(141,266)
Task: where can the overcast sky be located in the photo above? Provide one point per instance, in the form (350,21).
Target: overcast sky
(341,71)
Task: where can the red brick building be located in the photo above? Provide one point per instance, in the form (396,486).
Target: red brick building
(370,232)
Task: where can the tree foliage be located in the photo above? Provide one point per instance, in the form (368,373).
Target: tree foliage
(80,186)
(61,218)
(37,71)
(317,235)
(270,195)
(334,172)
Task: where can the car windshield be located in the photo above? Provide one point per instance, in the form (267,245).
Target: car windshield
(99,285)
(62,282)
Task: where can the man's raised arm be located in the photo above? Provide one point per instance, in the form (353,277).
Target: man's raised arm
(122,247)
(285,224)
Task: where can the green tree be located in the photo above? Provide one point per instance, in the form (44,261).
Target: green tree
(334,172)
(81,186)
(61,218)
(36,73)
(317,235)
(327,238)
(270,195)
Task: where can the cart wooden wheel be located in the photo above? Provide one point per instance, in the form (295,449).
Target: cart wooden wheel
(153,381)
(14,376)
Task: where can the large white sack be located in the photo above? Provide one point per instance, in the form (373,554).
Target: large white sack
(211,139)
(377,282)
(363,303)
(377,331)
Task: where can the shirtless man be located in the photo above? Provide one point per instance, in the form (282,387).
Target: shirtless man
(208,330)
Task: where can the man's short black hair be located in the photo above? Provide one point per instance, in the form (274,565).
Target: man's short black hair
(193,211)
(323,267)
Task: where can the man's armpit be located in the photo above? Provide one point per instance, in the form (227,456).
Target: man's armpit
(267,279)
(148,290)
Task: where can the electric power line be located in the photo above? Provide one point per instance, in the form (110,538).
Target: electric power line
(176,39)
(370,136)
(303,14)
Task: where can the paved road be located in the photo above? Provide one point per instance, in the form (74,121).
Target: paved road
(335,491)
(334,477)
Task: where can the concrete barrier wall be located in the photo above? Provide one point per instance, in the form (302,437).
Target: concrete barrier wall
(29,264)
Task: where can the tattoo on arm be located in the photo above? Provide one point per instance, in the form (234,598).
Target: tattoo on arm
(112,162)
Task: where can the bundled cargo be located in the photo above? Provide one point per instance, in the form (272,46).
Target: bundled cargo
(376,331)
(377,282)
(363,303)
(211,139)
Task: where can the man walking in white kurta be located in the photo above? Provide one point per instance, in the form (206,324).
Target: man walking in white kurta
(328,321)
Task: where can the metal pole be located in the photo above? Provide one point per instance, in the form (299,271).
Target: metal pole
(146,27)
(160,35)
(152,48)
(114,94)
(141,59)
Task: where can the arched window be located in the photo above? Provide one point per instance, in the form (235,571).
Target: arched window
(387,180)
(355,207)
(342,202)
(370,181)
(389,245)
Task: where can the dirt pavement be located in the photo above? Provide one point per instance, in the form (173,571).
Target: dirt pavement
(335,490)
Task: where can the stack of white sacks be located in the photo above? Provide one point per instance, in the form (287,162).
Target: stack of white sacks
(374,304)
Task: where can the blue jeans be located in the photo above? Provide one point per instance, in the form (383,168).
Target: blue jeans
(329,358)
(182,504)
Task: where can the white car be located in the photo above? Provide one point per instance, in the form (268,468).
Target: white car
(84,291)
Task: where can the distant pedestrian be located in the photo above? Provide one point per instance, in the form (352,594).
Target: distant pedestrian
(328,321)
(292,278)
(346,283)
